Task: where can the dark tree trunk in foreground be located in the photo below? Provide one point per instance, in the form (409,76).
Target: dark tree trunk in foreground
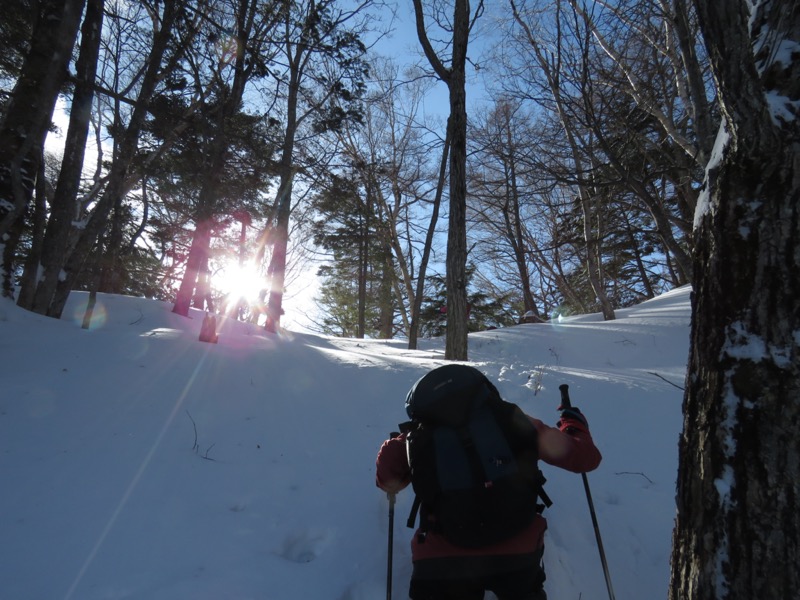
(28,115)
(737,533)
(64,203)
(124,153)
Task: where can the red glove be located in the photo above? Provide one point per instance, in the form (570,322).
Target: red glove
(572,417)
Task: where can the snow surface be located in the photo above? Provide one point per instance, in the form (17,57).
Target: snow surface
(139,463)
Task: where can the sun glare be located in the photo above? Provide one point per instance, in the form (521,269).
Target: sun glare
(239,282)
(239,287)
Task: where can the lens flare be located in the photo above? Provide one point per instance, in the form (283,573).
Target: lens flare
(98,319)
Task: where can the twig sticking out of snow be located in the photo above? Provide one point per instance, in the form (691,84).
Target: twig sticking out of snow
(196,446)
(667,380)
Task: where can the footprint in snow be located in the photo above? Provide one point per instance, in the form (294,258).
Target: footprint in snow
(305,546)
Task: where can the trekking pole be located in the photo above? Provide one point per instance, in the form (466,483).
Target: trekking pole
(392,498)
(391,547)
(565,403)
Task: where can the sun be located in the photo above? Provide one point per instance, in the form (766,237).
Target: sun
(242,289)
(239,282)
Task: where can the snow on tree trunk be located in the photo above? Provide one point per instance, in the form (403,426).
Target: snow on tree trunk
(737,533)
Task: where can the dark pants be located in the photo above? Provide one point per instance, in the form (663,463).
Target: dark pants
(520,584)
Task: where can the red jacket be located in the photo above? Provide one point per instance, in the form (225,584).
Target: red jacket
(570,447)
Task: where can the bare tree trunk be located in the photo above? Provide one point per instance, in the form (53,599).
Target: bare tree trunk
(117,178)
(637,257)
(29,110)
(513,218)
(31,268)
(737,533)
(697,104)
(385,296)
(196,263)
(109,265)
(363,268)
(63,209)
(279,234)
(594,260)
(413,332)
(203,300)
(457,314)
(585,194)
(456,342)
(276,272)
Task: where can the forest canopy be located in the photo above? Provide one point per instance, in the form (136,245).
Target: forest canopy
(295,142)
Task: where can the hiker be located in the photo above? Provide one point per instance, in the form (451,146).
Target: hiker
(512,567)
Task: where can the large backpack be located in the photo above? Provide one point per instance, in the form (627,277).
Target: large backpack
(473,458)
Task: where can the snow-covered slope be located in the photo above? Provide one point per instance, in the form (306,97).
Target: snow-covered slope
(139,463)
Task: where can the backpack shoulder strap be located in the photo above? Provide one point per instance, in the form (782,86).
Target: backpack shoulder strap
(407,427)
(412,515)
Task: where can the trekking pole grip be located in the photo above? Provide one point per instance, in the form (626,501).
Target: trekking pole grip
(564,389)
